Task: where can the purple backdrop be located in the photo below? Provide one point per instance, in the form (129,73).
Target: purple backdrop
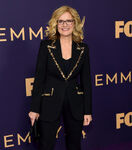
(109,57)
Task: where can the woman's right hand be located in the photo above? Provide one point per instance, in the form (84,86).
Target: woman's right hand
(33,116)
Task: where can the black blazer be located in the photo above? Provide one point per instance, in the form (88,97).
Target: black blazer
(50,82)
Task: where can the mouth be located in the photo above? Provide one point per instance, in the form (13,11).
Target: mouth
(65,29)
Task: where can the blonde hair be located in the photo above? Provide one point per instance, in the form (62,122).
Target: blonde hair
(51,31)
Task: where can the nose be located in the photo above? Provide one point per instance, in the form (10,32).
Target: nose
(64,23)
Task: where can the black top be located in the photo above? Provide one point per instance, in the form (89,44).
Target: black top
(66,63)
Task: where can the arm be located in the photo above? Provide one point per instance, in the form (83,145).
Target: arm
(85,79)
(40,74)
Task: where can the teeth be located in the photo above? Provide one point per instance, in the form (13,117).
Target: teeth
(65,29)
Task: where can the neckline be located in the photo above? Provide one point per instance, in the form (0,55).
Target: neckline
(71,50)
(67,59)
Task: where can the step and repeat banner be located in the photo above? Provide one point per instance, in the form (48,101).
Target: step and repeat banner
(107,31)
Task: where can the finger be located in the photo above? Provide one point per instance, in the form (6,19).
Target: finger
(29,114)
(84,123)
(88,122)
(32,121)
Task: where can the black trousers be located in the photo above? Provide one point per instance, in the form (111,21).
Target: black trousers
(72,129)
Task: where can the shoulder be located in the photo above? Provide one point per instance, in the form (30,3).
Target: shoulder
(84,44)
(43,46)
(85,47)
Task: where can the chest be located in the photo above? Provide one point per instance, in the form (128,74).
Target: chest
(66,52)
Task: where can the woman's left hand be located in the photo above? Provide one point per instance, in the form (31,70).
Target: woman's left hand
(87,119)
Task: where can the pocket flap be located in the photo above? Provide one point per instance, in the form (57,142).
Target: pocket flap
(79,90)
(48,91)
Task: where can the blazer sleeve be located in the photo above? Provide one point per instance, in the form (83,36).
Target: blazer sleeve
(85,79)
(40,74)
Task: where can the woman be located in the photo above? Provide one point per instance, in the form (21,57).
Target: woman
(62,58)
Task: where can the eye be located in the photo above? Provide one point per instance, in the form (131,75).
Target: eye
(60,21)
(70,20)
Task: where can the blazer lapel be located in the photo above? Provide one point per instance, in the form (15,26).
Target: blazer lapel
(55,51)
(75,56)
(58,55)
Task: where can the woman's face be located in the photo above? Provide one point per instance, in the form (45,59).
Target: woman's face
(65,24)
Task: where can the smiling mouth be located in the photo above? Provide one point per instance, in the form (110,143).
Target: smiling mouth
(65,29)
